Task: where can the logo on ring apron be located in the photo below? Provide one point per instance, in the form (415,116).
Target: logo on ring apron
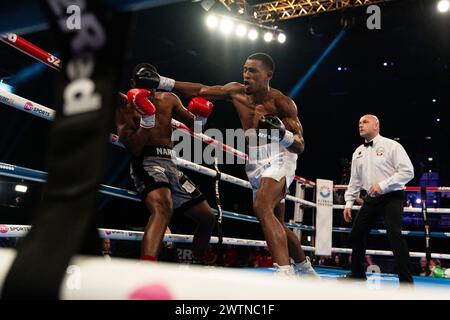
(3,229)
(325,191)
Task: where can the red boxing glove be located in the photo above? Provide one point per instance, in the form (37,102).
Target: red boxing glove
(138,98)
(201,108)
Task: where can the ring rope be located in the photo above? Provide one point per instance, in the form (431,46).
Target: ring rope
(407,188)
(115,234)
(39,176)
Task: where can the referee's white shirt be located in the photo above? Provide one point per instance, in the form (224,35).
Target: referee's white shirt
(385,162)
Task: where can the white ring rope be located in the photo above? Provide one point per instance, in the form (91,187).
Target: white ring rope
(39,176)
(405,209)
(407,188)
(20,231)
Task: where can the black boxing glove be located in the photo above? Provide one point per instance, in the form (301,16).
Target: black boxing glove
(270,123)
(146,76)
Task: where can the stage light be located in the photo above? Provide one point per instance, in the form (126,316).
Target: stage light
(21,188)
(243,27)
(6,87)
(253,34)
(241,30)
(443,6)
(212,21)
(268,36)
(226,26)
(281,38)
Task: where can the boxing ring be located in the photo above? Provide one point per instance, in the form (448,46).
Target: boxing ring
(96,278)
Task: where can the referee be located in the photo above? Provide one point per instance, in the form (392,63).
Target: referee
(380,167)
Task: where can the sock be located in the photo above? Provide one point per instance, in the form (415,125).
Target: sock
(148,258)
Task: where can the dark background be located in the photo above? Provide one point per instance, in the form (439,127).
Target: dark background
(414,41)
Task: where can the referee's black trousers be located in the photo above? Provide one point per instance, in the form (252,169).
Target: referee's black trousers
(390,207)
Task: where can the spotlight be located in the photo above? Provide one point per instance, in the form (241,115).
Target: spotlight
(418,200)
(6,87)
(253,34)
(443,6)
(339,69)
(212,21)
(21,188)
(281,38)
(434,100)
(430,159)
(438,120)
(226,26)
(268,36)
(434,201)
(385,64)
(241,30)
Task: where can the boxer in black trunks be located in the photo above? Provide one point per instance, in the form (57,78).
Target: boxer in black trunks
(144,126)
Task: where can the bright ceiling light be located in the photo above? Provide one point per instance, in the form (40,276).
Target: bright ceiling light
(226,26)
(212,21)
(241,30)
(253,34)
(281,38)
(268,36)
(443,6)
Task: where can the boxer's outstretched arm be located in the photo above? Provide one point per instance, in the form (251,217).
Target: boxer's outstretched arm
(191,90)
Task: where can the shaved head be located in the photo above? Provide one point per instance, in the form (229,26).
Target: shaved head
(373,117)
(369,126)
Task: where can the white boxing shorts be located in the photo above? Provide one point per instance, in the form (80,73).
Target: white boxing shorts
(270,161)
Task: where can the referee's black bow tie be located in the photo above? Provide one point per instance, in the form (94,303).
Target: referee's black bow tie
(368,144)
